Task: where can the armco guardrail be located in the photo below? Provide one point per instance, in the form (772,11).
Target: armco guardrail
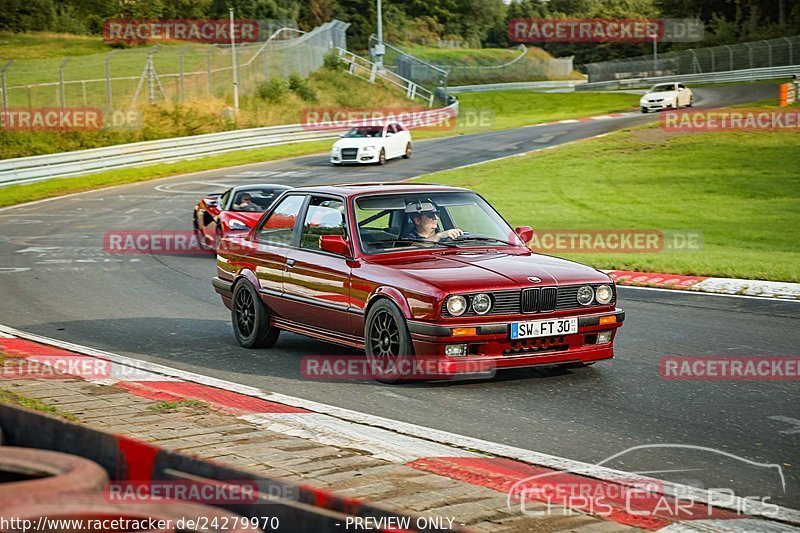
(755,74)
(36,168)
(555,85)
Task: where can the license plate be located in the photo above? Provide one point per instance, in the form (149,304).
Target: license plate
(544,328)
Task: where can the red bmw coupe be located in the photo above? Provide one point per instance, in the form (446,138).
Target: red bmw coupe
(407,272)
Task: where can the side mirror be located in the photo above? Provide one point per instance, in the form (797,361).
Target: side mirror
(335,244)
(341,135)
(525,233)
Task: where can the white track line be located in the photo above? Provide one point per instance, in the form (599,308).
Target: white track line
(684,492)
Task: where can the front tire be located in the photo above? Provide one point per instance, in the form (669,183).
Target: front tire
(387,342)
(250,319)
(644,110)
(199,235)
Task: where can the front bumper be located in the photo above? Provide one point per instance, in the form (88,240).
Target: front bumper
(361,157)
(657,106)
(492,348)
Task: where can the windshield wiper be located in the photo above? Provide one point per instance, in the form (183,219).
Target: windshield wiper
(481,238)
(394,241)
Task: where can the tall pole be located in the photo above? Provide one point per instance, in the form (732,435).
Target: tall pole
(379,48)
(655,54)
(235,71)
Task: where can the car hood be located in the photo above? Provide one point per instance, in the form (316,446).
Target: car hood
(358,142)
(664,94)
(478,271)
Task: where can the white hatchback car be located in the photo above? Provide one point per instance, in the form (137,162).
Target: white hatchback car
(666,96)
(372,144)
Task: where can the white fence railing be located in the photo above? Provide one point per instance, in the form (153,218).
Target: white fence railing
(30,169)
(755,74)
(367,70)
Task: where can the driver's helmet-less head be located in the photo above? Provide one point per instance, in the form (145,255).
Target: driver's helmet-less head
(419,208)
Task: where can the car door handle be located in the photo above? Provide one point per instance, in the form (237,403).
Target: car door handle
(289,263)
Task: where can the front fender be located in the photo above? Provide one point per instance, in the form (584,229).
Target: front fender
(395,296)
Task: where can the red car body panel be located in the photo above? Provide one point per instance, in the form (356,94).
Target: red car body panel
(327,296)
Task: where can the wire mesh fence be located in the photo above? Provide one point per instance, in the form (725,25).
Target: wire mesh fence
(783,51)
(124,78)
(521,64)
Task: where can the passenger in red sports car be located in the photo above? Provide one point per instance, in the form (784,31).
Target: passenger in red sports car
(425,218)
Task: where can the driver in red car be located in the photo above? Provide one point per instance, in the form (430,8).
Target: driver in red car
(425,219)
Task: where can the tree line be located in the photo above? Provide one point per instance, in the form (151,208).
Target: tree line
(468,23)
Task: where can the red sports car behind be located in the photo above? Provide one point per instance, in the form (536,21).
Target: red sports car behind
(235,210)
(410,272)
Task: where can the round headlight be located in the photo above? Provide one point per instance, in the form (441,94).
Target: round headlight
(481,303)
(585,295)
(456,305)
(603,294)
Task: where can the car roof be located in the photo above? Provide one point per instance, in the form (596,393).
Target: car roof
(254,186)
(359,189)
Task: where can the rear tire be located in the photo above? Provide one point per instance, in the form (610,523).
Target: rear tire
(387,342)
(382,157)
(407,155)
(250,319)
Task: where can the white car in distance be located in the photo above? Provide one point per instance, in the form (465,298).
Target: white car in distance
(372,144)
(666,96)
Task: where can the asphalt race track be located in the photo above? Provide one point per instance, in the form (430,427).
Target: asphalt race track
(56,280)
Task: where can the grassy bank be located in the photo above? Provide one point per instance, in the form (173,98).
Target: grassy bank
(740,189)
(495,110)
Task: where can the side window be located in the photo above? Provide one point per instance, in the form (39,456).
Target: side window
(223,201)
(392,129)
(280,224)
(399,128)
(325,216)
(681,87)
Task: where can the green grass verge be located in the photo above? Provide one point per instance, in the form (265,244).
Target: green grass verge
(170,407)
(12,398)
(15,194)
(496,110)
(741,189)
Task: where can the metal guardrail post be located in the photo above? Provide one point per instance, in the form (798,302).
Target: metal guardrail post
(208,69)
(4,85)
(749,53)
(61,92)
(181,85)
(769,51)
(789,42)
(109,96)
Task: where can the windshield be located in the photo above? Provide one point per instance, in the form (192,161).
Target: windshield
(662,88)
(254,200)
(446,219)
(371,131)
